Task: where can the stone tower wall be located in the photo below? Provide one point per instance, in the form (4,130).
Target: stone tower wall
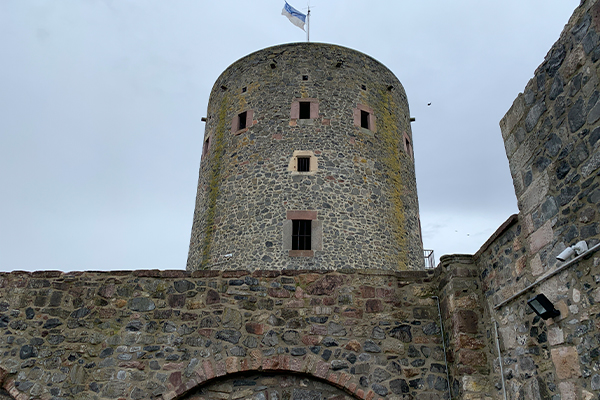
(361,190)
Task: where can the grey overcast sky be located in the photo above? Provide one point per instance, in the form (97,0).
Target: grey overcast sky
(100,107)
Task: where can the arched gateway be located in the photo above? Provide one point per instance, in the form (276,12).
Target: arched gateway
(268,386)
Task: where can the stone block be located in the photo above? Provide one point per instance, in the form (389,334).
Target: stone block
(528,224)
(567,391)
(555,336)
(520,265)
(472,358)
(367,292)
(566,362)
(465,321)
(471,301)
(591,165)
(573,62)
(535,194)
(212,297)
(540,238)
(513,116)
(510,145)
(475,383)
(322,368)
(508,337)
(469,342)
(536,265)
(373,306)
(585,395)
(326,285)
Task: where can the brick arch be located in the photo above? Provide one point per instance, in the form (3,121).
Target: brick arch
(268,384)
(8,390)
(208,371)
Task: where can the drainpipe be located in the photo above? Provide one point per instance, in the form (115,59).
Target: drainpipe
(444,346)
(500,358)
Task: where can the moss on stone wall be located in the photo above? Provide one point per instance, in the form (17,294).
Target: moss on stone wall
(389,133)
(216,154)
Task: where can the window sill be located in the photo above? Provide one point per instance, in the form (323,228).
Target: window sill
(241,131)
(301,253)
(303,122)
(306,173)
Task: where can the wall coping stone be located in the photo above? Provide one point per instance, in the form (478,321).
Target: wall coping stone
(155,273)
(513,219)
(447,259)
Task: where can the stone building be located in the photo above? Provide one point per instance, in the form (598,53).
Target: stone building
(307,132)
(327,308)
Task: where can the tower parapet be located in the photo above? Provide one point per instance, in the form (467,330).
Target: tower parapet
(307,163)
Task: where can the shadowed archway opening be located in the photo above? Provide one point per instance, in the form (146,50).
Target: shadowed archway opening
(256,385)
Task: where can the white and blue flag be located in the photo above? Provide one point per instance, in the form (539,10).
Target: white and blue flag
(295,16)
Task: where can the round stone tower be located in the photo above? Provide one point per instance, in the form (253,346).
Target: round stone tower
(307,163)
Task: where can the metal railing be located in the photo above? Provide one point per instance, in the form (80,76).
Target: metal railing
(429,259)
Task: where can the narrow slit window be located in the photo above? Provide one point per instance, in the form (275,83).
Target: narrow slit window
(304,110)
(206,146)
(301,234)
(408,147)
(364,119)
(242,120)
(304,77)
(303,164)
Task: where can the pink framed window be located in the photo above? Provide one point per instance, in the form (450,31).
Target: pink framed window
(304,109)
(242,121)
(364,118)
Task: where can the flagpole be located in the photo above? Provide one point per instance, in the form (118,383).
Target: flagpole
(308,25)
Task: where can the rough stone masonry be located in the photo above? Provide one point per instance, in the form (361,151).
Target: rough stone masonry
(359,190)
(354,316)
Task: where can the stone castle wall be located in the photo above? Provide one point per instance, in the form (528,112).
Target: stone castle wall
(245,331)
(551,137)
(362,187)
(219,334)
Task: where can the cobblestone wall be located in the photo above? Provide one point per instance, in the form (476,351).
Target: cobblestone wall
(361,184)
(466,323)
(334,332)
(551,137)
(543,359)
(171,334)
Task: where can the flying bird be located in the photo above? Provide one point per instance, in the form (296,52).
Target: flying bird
(428,104)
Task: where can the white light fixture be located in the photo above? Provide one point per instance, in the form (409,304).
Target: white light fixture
(579,248)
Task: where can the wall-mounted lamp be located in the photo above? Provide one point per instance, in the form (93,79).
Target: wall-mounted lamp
(543,307)
(579,248)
